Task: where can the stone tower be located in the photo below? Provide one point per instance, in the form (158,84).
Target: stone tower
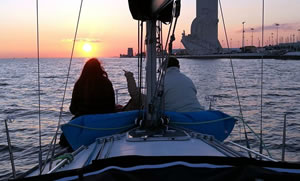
(204,30)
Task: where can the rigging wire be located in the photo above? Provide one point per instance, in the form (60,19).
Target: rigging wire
(161,40)
(141,60)
(234,78)
(164,66)
(155,102)
(39,87)
(172,36)
(168,36)
(262,78)
(140,63)
(160,85)
(161,63)
(66,83)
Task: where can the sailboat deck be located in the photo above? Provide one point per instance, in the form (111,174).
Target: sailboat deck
(119,145)
(123,153)
(191,147)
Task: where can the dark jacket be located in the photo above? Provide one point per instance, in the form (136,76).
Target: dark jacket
(93,97)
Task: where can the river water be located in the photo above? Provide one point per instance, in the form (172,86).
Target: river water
(213,79)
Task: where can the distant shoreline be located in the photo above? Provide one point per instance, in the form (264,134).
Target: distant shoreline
(242,56)
(238,56)
(213,56)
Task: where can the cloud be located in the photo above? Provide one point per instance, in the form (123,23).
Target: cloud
(83,40)
(284,26)
(273,27)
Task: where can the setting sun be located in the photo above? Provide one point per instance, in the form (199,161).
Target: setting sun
(87,47)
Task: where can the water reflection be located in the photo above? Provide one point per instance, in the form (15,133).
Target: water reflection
(18,92)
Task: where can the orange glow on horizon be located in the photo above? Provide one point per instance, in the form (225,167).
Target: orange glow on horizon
(110,29)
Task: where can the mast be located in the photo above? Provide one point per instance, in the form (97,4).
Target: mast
(151,11)
(151,116)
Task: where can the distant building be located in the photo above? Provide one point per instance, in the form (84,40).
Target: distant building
(204,30)
(129,53)
(289,46)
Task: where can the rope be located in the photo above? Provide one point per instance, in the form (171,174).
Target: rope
(99,129)
(234,78)
(160,85)
(161,41)
(168,36)
(68,73)
(172,37)
(39,87)
(67,156)
(204,122)
(262,73)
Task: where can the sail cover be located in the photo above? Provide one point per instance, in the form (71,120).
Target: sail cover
(85,129)
(211,122)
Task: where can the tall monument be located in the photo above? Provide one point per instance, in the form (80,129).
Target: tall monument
(204,30)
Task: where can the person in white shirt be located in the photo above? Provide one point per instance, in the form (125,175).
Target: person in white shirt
(179,90)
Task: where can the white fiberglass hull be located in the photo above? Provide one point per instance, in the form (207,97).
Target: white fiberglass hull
(193,144)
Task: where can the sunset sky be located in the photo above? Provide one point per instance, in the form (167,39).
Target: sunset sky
(108,28)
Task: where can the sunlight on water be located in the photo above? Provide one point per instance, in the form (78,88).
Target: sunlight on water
(18,93)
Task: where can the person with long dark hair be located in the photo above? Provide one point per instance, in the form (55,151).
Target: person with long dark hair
(93,92)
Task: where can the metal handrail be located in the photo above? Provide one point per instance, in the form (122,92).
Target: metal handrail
(284,138)
(9,146)
(117,93)
(252,151)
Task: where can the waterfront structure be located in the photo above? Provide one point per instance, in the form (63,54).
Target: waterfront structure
(129,53)
(295,46)
(204,30)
